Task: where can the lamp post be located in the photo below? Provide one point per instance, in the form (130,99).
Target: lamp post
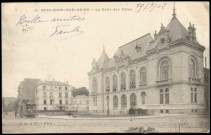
(108,102)
(53,106)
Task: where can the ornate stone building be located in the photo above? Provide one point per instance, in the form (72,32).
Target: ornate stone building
(163,74)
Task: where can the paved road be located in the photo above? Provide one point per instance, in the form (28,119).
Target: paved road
(195,123)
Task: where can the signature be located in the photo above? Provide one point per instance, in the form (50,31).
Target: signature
(67,30)
(35,19)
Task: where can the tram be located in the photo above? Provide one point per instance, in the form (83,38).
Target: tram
(30,110)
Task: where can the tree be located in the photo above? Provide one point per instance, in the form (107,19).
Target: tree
(10,106)
(4,106)
(80,91)
(16,105)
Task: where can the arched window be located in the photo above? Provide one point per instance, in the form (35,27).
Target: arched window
(161,96)
(164,70)
(124,102)
(192,68)
(143,76)
(115,83)
(132,79)
(123,81)
(143,95)
(167,96)
(95,85)
(133,100)
(115,102)
(107,84)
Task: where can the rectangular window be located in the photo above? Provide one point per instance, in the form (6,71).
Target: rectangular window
(161,98)
(60,102)
(191,97)
(44,87)
(195,97)
(44,102)
(59,88)
(45,108)
(65,88)
(51,102)
(66,102)
(66,94)
(60,94)
(167,98)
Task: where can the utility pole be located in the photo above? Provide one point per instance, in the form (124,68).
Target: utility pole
(108,113)
(53,106)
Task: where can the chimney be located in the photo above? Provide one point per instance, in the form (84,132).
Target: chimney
(190,32)
(194,33)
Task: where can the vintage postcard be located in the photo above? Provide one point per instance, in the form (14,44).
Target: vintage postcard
(106,67)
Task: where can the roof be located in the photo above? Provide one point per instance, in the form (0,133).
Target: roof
(138,48)
(176,29)
(57,83)
(103,58)
(129,50)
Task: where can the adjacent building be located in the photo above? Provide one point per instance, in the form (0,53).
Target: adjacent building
(26,94)
(80,103)
(163,74)
(53,95)
(207,88)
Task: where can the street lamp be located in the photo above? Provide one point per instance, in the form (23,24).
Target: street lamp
(108,102)
(53,105)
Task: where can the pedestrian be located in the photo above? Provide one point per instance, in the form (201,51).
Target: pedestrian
(131,112)
(15,114)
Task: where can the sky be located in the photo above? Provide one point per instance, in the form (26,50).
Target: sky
(32,47)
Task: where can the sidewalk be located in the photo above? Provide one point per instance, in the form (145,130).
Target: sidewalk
(109,118)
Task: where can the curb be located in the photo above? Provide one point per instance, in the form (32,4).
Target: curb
(122,118)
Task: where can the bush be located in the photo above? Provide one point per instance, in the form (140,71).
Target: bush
(141,111)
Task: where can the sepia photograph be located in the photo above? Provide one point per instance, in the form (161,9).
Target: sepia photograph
(105,67)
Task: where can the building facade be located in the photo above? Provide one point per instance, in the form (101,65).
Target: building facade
(80,103)
(207,88)
(26,94)
(163,74)
(52,96)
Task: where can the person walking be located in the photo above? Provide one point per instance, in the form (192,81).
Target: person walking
(15,114)
(131,112)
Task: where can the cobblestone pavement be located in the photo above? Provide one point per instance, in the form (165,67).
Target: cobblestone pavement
(189,123)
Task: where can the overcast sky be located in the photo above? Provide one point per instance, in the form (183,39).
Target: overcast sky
(35,54)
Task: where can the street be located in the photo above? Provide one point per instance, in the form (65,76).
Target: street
(187,123)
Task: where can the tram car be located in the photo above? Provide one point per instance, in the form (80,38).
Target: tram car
(30,110)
